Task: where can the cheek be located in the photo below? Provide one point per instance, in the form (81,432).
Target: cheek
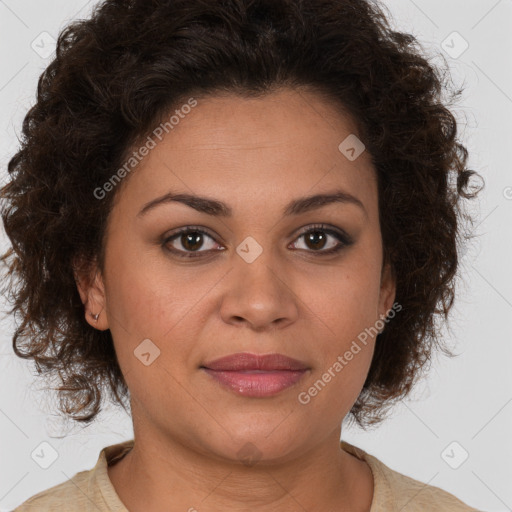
(147,294)
(154,325)
(342,305)
(150,299)
(343,302)
(343,352)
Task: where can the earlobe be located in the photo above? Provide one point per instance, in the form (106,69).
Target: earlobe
(92,293)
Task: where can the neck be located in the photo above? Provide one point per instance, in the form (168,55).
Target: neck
(160,473)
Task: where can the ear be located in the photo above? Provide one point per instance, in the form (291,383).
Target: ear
(387,291)
(91,288)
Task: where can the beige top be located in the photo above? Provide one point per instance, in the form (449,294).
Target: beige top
(92,491)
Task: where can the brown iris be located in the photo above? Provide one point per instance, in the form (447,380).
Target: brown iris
(314,237)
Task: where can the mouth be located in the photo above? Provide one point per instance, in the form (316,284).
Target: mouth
(257,383)
(245,361)
(255,375)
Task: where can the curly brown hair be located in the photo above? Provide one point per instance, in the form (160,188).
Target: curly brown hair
(116,74)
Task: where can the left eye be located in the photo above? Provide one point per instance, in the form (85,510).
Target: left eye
(315,239)
(319,235)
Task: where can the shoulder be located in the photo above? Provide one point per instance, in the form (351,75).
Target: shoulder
(66,496)
(87,490)
(394,491)
(412,495)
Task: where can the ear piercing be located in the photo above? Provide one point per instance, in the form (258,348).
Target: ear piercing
(95,316)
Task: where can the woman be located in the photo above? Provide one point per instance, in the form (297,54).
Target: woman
(239,220)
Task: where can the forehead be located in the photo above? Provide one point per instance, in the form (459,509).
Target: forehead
(282,118)
(282,145)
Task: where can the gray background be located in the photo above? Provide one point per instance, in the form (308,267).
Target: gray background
(466,400)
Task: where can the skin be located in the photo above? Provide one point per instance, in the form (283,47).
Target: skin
(256,155)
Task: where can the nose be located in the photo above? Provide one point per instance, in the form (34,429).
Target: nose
(260,295)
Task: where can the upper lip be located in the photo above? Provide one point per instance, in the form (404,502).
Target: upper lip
(247,361)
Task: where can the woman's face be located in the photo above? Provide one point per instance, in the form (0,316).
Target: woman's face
(255,281)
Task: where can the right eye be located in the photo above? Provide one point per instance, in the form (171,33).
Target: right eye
(191,239)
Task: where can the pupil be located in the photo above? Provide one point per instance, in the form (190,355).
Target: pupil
(194,239)
(315,237)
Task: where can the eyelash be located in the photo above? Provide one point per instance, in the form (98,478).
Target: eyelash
(343,238)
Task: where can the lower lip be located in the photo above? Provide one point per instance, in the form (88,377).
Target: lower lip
(257,384)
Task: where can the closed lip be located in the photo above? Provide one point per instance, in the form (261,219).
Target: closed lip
(244,361)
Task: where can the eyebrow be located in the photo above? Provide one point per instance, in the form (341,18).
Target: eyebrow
(219,209)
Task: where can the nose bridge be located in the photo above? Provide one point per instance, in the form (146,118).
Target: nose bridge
(258,292)
(257,269)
